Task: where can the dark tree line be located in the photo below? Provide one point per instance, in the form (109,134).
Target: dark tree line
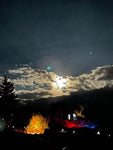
(8,97)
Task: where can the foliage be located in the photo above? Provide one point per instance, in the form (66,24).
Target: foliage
(7,96)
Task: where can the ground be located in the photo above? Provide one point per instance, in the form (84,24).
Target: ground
(55,140)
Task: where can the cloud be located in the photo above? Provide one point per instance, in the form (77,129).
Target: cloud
(33,84)
(101,77)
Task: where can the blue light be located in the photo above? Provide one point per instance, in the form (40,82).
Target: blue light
(91,125)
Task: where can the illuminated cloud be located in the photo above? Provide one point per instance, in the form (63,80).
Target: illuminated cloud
(33,84)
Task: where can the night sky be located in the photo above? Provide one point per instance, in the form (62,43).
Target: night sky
(53,49)
(71,36)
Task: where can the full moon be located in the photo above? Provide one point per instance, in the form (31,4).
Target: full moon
(60,82)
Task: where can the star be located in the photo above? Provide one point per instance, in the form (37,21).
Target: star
(91,53)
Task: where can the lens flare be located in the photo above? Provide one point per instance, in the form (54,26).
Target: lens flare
(48,68)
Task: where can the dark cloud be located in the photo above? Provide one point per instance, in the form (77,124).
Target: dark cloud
(25,96)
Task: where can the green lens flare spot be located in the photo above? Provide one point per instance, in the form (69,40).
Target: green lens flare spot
(49,68)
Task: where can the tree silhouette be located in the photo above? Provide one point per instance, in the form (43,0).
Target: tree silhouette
(7,96)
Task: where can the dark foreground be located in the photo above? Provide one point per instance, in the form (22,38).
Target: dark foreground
(56,140)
